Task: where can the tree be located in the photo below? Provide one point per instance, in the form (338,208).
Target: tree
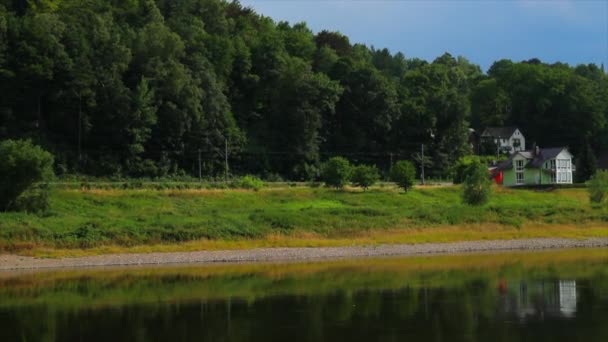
(404,174)
(365,176)
(586,163)
(23,164)
(598,187)
(336,172)
(477,185)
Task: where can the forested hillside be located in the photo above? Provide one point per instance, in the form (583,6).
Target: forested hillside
(144,87)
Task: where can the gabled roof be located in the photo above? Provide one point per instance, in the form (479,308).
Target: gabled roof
(534,161)
(499,132)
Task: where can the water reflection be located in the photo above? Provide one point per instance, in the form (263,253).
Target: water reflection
(515,297)
(534,300)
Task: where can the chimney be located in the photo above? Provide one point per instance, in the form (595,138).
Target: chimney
(536,150)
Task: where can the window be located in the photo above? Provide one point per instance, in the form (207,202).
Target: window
(516,143)
(519,165)
(563,164)
(552,164)
(520,178)
(553,178)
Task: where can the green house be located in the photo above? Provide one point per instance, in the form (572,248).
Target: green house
(536,167)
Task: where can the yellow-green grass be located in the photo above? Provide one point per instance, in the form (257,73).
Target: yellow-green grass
(84,222)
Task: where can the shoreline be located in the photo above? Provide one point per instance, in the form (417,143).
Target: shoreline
(10,262)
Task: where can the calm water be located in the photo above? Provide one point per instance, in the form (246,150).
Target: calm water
(551,296)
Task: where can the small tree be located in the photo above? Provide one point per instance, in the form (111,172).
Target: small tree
(336,172)
(477,184)
(404,174)
(598,187)
(365,176)
(23,164)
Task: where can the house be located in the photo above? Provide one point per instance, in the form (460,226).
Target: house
(537,167)
(506,139)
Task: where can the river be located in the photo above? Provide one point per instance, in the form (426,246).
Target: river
(541,296)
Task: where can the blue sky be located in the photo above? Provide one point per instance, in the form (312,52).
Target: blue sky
(571,31)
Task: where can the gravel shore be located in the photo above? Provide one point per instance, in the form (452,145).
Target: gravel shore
(13,262)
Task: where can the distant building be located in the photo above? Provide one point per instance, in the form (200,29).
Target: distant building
(506,139)
(536,167)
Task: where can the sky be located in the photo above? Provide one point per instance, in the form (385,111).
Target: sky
(483,31)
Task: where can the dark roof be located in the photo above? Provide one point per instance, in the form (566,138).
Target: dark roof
(535,161)
(602,161)
(499,132)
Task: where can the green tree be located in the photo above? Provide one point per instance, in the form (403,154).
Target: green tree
(336,172)
(586,163)
(477,186)
(598,187)
(404,174)
(23,165)
(365,176)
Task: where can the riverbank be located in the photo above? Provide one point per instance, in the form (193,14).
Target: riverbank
(84,222)
(14,262)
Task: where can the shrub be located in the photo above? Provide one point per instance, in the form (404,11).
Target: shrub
(477,184)
(22,164)
(251,183)
(404,174)
(598,187)
(365,176)
(336,172)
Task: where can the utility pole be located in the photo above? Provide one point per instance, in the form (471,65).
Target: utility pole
(226,159)
(422,163)
(200,169)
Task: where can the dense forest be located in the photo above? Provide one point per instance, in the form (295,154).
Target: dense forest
(150,87)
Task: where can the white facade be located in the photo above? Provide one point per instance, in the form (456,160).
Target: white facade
(515,143)
(562,168)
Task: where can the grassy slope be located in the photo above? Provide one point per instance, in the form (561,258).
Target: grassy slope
(215,219)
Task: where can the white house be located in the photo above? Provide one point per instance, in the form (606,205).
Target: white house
(507,139)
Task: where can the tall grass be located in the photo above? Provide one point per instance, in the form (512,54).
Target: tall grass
(83,218)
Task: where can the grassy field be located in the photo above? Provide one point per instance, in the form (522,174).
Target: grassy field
(97,221)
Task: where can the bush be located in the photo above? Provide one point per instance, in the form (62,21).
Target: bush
(477,185)
(598,187)
(404,174)
(22,164)
(365,176)
(251,183)
(336,172)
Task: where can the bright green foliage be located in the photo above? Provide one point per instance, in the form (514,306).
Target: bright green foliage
(336,172)
(22,164)
(460,169)
(477,185)
(404,174)
(365,176)
(598,187)
(250,183)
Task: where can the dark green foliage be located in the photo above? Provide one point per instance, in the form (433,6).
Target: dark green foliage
(477,185)
(22,164)
(598,187)
(336,172)
(404,174)
(143,88)
(365,176)
(586,163)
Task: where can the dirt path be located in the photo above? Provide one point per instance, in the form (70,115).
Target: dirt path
(14,262)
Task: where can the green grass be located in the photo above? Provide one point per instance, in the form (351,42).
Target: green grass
(143,217)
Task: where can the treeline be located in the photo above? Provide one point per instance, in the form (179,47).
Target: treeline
(150,88)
